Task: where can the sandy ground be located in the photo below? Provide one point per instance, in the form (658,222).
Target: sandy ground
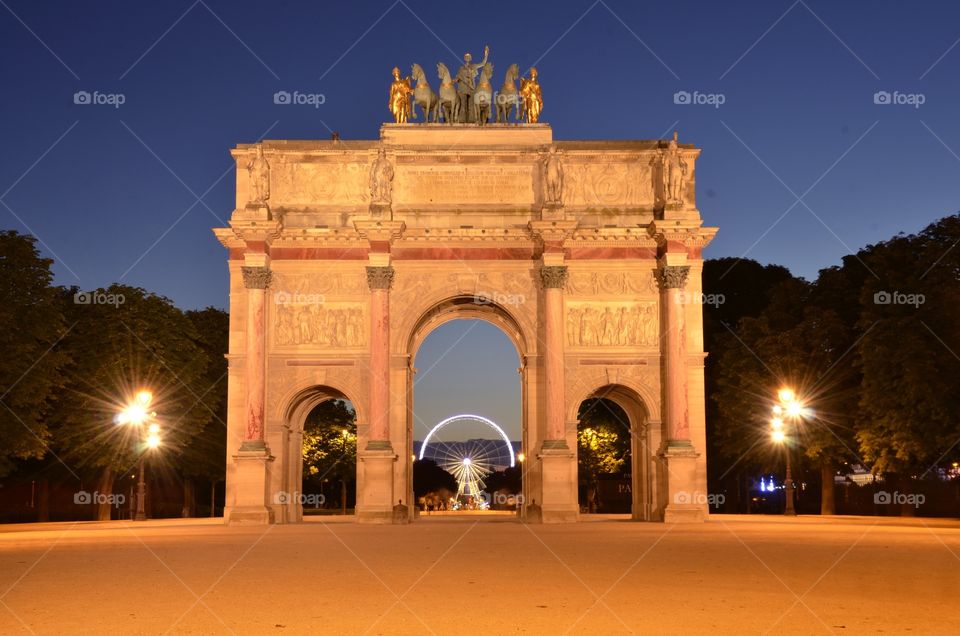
(491,576)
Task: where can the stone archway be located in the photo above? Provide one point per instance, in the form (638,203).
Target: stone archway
(645,440)
(593,269)
(467,307)
(288,508)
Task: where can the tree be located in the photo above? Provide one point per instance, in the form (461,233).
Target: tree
(125,339)
(797,343)
(603,444)
(509,479)
(909,417)
(206,457)
(428,477)
(741,288)
(330,445)
(31,326)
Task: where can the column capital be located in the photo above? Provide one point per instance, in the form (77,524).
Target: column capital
(671,276)
(379,277)
(553,276)
(256,277)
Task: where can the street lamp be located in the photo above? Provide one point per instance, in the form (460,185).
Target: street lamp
(137,413)
(788,409)
(343,477)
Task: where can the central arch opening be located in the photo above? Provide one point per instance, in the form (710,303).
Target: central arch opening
(467,415)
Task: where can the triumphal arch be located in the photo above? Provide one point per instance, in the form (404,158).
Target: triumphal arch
(344,255)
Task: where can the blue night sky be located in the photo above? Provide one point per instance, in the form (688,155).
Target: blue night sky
(130,193)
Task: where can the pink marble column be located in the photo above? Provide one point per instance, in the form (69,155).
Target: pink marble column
(671,280)
(255,280)
(380,279)
(554,278)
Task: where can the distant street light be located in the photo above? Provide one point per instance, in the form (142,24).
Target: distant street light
(137,413)
(791,409)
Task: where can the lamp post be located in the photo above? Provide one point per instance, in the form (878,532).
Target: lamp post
(343,476)
(787,408)
(137,414)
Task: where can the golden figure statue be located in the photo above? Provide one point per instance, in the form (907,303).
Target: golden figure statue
(400,91)
(532,97)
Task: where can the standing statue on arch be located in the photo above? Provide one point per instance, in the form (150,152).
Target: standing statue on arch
(466,85)
(532,97)
(674,173)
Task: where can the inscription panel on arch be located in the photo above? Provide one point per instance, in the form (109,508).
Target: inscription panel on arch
(469,184)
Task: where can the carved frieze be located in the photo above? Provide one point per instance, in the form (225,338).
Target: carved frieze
(321,283)
(611,283)
(309,183)
(334,325)
(606,184)
(612,324)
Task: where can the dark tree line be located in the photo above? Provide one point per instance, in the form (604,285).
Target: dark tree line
(872,345)
(71,359)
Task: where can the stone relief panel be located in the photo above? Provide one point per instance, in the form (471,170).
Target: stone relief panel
(326,283)
(312,183)
(505,288)
(599,185)
(337,325)
(611,283)
(612,324)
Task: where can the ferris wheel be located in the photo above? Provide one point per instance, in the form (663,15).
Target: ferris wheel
(470,461)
